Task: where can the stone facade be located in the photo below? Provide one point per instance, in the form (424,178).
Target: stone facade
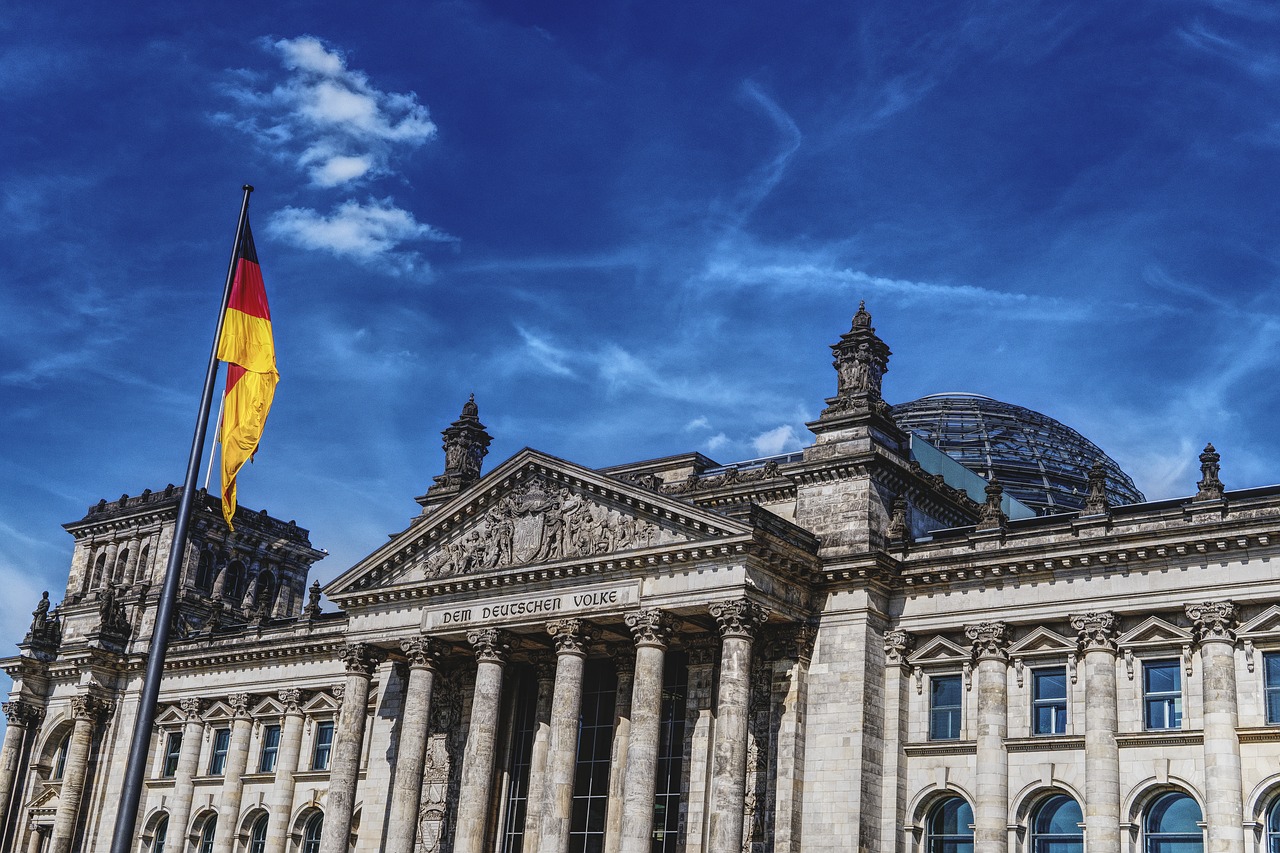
(830,650)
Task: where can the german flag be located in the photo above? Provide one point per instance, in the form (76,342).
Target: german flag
(250,352)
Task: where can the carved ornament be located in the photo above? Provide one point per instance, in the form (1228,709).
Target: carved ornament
(21,712)
(291,698)
(1097,502)
(1097,630)
(571,636)
(191,708)
(91,708)
(739,618)
(897,645)
(239,703)
(492,645)
(990,640)
(1210,486)
(650,627)
(1214,621)
(422,652)
(361,658)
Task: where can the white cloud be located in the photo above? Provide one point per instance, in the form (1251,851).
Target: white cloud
(698,423)
(778,440)
(373,232)
(716,443)
(546,354)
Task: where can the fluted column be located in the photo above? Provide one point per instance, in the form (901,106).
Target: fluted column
(1215,623)
(546,674)
(991,793)
(185,773)
(897,679)
(415,722)
(738,621)
(233,773)
(571,637)
(652,630)
(287,758)
(348,741)
(492,647)
(1097,632)
(624,661)
(21,714)
(87,711)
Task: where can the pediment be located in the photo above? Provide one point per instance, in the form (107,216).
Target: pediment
(171,715)
(939,650)
(47,801)
(268,707)
(322,702)
(1155,631)
(533,510)
(219,710)
(1042,641)
(1265,623)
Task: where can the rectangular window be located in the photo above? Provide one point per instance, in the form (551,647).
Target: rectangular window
(1271,675)
(1049,700)
(270,747)
(324,745)
(172,749)
(218,759)
(945,697)
(595,751)
(523,729)
(666,806)
(1162,694)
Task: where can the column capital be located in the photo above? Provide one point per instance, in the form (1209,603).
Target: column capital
(239,703)
(89,707)
(339,692)
(361,658)
(1214,621)
(23,712)
(651,627)
(1096,629)
(544,669)
(492,645)
(738,618)
(423,652)
(571,636)
(897,645)
(291,698)
(624,658)
(990,640)
(191,708)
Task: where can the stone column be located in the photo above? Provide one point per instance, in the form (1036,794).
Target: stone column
(1215,623)
(546,673)
(348,741)
(36,840)
(897,681)
(87,711)
(624,660)
(415,723)
(475,790)
(738,621)
(287,757)
(233,774)
(652,630)
(991,792)
(183,776)
(571,637)
(21,714)
(1097,633)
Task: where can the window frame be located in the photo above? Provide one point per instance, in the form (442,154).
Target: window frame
(207,832)
(1058,706)
(1051,840)
(956,711)
(312,831)
(317,746)
(269,754)
(1269,690)
(160,835)
(1149,838)
(218,751)
(172,754)
(258,835)
(1172,700)
(935,842)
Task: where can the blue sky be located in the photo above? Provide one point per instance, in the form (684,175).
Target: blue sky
(631,229)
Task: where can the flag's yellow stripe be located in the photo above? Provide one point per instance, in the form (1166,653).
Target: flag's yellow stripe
(247,341)
(243,416)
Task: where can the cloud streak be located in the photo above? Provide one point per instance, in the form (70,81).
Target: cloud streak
(374,232)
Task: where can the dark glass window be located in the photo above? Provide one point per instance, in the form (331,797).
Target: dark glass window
(159,837)
(270,749)
(1056,826)
(324,745)
(1273,828)
(1171,825)
(258,837)
(945,703)
(204,572)
(1049,700)
(206,834)
(234,587)
(311,834)
(60,758)
(218,758)
(1271,676)
(666,803)
(949,828)
(595,745)
(172,751)
(526,724)
(1162,694)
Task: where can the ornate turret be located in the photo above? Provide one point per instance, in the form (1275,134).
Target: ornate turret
(861,361)
(1210,486)
(465,445)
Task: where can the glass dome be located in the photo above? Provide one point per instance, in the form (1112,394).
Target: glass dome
(1040,461)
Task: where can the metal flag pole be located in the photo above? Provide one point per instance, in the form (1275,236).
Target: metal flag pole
(217,438)
(127,817)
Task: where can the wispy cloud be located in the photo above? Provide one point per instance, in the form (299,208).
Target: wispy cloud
(374,232)
(777,440)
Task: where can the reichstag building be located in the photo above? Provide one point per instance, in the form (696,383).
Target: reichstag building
(946,626)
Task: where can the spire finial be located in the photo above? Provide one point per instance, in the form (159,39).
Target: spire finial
(1210,486)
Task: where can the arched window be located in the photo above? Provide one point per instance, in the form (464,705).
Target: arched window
(204,572)
(122,563)
(140,570)
(99,567)
(158,837)
(1056,826)
(1273,828)
(60,758)
(949,828)
(206,834)
(234,587)
(258,837)
(265,596)
(311,835)
(1171,825)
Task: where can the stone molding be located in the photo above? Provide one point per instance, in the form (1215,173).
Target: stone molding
(571,636)
(1096,629)
(91,708)
(990,640)
(22,712)
(492,645)
(897,646)
(650,627)
(738,618)
(1214,621)
(422,652)
(361,658)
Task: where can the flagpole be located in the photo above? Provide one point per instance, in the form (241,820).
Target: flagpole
(217,438)
(127,816)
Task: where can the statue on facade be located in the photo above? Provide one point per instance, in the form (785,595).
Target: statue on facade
(466,443)
(861,361)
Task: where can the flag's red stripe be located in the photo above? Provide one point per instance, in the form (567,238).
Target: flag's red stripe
(234,372)
(247,291)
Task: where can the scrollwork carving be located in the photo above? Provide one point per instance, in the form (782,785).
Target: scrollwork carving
(897,645)
(738,618)
(291,698)
(571,636)
(650,627)
(990,640)
(1214,621)
(90,707)
(422,651)
(239,703)
(1096,629)
(21,712)
(361,658)
(492,645)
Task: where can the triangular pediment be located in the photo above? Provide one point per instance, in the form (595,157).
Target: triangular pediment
(323,702)
(268,707)
(939,650)
(1264,624)
(219,710)
(1042,641)
(533,510)
(47,801)
(1155,631)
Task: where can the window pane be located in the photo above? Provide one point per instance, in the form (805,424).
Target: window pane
(1273,706)
(945,690)
(1051,684)
(1272,669)
(1174,813)
(1163,677)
